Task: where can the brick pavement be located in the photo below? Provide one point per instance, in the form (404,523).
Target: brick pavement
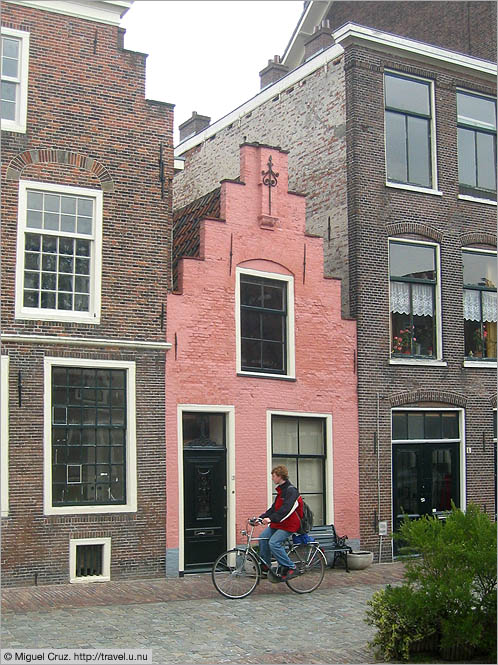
(187,621)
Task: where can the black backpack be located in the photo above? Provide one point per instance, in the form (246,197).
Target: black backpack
(306,519)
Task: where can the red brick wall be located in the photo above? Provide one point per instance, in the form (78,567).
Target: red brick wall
(86,97)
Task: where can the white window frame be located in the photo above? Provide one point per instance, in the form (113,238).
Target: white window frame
(290,324)
(433,189)
(40,314)
(438,361)
(106,560)
(131,444)
(4,419)
(468,197)
(19,124)
(492,364)
(329,457)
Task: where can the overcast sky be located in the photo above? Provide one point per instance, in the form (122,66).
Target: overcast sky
(206,56)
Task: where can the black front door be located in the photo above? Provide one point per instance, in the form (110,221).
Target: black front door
(204,507)
(426,478)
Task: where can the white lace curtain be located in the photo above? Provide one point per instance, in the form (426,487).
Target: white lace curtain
(421,296)
(472,305)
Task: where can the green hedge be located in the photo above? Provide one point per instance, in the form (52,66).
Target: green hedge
(447,602)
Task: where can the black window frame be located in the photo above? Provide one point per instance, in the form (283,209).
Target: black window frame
(65,435)
(411,114)
(283,285)
(467,189)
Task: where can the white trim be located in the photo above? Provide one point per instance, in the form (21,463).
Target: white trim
(465,197)
(413,188)
(4,432)
(102,11)
(19,124)
(85,341)
(475,364)
(329,456)
(385,40)
(438,361)
(131,444)
(106,560)
(312,16)
(229,412)
(433,157)
(40,314)
(290,323)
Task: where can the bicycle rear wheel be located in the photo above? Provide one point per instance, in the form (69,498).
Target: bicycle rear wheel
(235,573)
(310,561)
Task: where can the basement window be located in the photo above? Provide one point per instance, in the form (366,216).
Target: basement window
(90,560)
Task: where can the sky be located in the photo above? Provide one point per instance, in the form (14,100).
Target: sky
(206,55)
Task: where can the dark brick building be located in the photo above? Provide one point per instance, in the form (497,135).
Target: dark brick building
(388,111)
(86,226)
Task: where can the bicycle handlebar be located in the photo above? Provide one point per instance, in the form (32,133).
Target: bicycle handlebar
(254,521)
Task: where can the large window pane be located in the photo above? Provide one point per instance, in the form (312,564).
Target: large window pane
(407,260)
(311,437)
(466,157)
(474,109)
(419,165)
(479,269)
(407,94)
(284,435)
(486,161)
(396,149)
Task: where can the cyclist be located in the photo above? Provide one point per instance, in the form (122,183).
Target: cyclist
(281,519)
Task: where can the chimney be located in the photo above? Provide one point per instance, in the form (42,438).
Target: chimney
(320,40)
(274,71)
(193,125)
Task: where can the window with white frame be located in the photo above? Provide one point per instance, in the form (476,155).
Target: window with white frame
(413,290)
(476,145)
(59,252)
(479,304)
(265,319)
(89,560)
(299,443)
(4,435)
(409,130)
(90,448)
(14,84)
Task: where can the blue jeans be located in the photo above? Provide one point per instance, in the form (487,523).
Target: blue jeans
(273,544)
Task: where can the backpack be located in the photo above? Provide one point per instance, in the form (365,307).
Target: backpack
(306,519)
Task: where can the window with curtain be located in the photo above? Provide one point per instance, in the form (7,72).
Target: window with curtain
(479,304)
(299,444)
(413,280)
(476,117)
(408,120)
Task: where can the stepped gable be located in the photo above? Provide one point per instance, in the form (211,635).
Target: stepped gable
(186,222)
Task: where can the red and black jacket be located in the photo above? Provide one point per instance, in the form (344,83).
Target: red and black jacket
(287,509)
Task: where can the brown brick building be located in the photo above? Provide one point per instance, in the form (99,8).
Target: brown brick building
(86,226)
(388,111)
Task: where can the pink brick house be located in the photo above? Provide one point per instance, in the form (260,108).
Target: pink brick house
(262,369)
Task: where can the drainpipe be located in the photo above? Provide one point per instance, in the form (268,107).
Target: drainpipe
(378,474)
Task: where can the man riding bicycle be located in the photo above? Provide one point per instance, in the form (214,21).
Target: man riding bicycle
(282,518)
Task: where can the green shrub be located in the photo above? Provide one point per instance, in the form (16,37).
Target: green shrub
(449,589)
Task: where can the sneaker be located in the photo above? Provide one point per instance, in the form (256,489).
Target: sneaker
(291,572)
(264,570)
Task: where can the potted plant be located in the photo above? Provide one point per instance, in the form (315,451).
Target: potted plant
(402,343)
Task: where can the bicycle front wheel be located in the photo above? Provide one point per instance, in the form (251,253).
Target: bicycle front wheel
(235,573)
(310,561)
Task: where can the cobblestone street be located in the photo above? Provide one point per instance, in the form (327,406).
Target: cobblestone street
(187,621)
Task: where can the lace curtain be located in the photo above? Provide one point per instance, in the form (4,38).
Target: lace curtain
(421,296)
(472,305)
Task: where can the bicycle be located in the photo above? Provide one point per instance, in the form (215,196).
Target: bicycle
(237,572)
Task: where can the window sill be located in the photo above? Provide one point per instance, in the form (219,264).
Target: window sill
(491,364)
(465,197)
(418,362)
(414,188)
(260,375)
(70,317)
(90,510)
(11,126)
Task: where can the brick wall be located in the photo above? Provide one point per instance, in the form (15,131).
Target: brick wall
(89,125)
(457,26)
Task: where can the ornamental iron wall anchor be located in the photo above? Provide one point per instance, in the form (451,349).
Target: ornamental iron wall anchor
(270,180)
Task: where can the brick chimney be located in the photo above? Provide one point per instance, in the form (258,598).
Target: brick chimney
(195,124)
(320,40)
(274,71)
